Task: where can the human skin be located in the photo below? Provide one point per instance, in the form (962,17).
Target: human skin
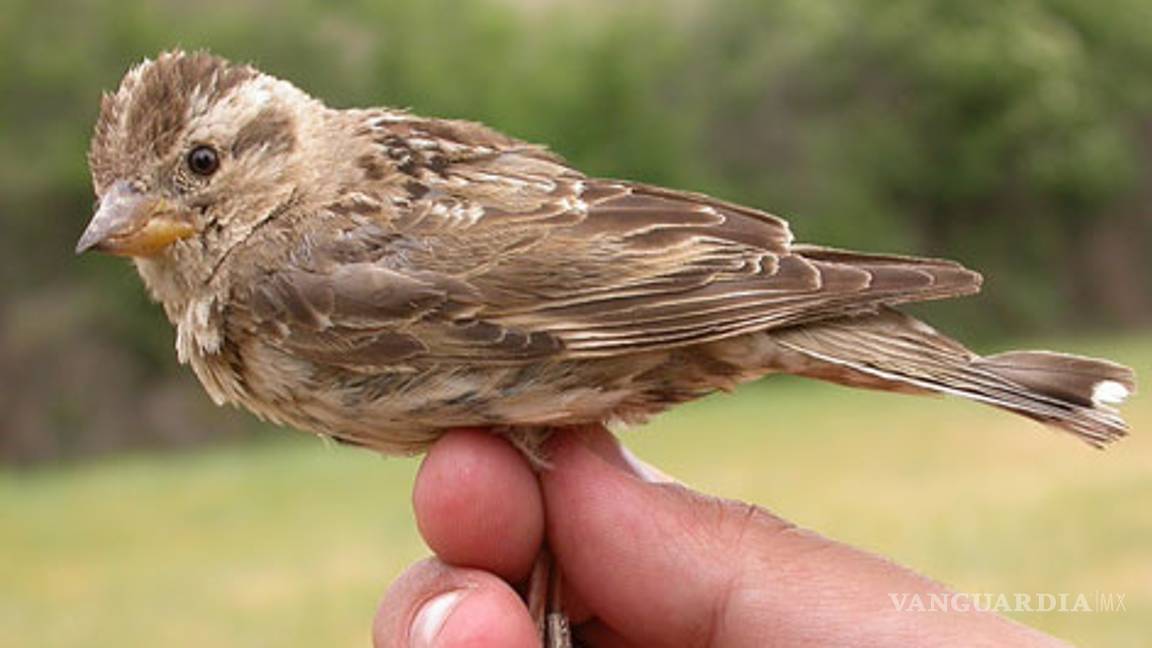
(646,562)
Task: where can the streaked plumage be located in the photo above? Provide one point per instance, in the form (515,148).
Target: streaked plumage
(378,277)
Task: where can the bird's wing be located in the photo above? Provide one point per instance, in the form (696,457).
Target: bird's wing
(513,257)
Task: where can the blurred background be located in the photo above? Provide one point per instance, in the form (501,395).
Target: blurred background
(1014,136)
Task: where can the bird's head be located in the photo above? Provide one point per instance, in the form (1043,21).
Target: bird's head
(189,155)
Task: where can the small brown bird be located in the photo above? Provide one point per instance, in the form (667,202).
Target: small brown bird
(379,277)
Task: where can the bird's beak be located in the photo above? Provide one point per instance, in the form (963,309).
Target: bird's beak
(130,223)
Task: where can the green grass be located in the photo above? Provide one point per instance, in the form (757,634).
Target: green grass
(292,543)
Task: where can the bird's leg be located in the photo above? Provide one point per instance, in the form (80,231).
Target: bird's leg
(530,442)
(545,602)
(537,595)
(558,633)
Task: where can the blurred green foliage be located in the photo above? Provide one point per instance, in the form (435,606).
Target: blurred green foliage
(1001,133)
(1016,136)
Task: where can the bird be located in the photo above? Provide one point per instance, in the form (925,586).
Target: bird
(379,277)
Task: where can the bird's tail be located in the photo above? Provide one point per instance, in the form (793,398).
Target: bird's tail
(892,351)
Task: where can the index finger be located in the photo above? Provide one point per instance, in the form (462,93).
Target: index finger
(478,504)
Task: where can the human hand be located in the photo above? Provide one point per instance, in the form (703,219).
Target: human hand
(644,562)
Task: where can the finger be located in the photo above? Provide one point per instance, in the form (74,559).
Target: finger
(634,555)
(660,565)
(597,633)
(478,504)
(433,605)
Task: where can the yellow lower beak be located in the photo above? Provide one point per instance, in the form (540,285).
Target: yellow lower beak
(129,223)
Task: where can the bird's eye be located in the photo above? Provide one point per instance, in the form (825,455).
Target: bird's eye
(203,160)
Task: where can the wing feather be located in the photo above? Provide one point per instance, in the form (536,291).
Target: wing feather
(511,256)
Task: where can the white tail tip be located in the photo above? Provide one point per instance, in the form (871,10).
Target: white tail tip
(1109,392)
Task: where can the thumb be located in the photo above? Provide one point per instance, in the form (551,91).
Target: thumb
(661,565)
(653,562)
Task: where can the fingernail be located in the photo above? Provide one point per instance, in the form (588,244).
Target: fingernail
(432,616)
(602,443)
(645,470)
